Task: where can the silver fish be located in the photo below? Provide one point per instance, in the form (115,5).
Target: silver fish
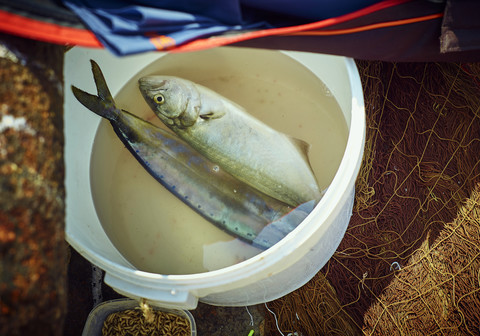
(222,199)
(225,133)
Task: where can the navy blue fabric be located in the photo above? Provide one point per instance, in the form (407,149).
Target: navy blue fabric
(311,10)
(125,27)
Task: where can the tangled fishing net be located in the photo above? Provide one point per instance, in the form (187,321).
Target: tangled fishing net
(409,262)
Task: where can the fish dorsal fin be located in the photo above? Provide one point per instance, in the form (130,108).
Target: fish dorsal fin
(302,146)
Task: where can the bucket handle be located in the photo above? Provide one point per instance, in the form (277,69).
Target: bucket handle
(155,296)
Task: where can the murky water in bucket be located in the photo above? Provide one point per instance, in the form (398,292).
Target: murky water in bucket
(153,229)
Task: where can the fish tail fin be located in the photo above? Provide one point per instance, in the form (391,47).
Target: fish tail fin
(101,83)
(103,104)
(277,230)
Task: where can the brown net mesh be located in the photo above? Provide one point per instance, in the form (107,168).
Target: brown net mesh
(409,262)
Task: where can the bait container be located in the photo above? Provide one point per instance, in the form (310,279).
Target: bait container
(267,276)
(96,318)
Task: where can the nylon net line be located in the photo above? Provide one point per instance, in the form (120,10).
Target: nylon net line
(409,262)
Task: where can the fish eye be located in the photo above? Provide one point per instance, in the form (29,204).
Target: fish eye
(159,99)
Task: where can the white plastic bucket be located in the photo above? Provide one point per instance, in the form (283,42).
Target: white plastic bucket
(271,274)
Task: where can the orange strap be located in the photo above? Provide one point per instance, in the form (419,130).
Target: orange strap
(370,26)
(44,31)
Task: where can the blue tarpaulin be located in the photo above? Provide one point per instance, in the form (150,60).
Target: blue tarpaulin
(127,27)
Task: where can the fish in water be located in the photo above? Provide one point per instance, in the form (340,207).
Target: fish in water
(225,133)
(222,199)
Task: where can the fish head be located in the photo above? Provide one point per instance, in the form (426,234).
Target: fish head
(175,101)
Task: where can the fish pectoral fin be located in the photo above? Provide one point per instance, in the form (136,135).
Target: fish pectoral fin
(303,146)
(212,115)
